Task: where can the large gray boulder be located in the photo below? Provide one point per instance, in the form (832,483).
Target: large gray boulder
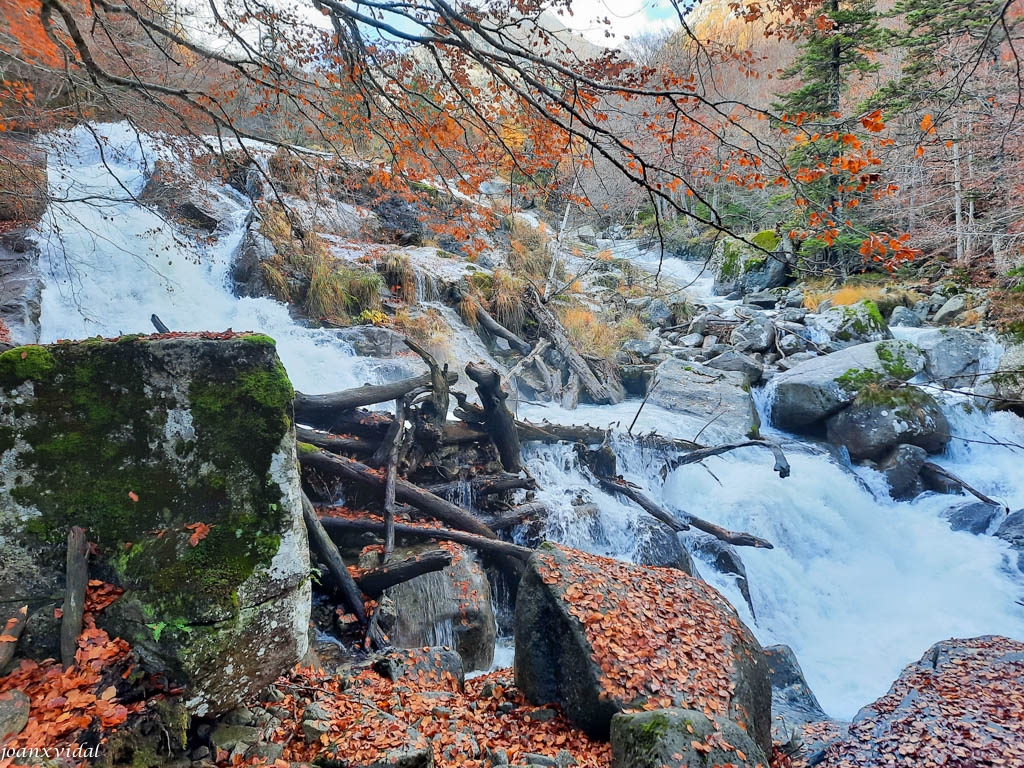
(810,392)
(681,738)
(959,705)
(373,340)
(704,398)
(793,702)
(599,636)
(1011,530)
(972,516)
(901,467)
(952,356)
(736,361)
(849,325)
(178,457)
(754,335)
(1006,385)
(880,418)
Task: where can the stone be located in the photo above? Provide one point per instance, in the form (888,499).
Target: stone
(1006,385)
(793,703)
(14,709)
(790,344)
(657,313)
(764,300)
(698,324)
(373,340)
(952,356)
(951,310)
(879,418)
(725,559)
(557,661)
(448,607)
(718,402)
(847,326)
(636,378)
(642,348)
(681,738)
(792,314)
(691,340)
(659,546)
(972,516)
(901,467)
(754,335)
(129,436)
(905,317)
(225,736)
(423,665)
(816,388)
(735,361)
(40,639)
(21,286)
(1011,530)
(961,698)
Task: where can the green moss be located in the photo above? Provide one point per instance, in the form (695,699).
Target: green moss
(754,263)
(24,364)
(896,398)
(306,448)
(260,339)
(767,239)
(655,728)
(894,361)
(730,268)
(857,378)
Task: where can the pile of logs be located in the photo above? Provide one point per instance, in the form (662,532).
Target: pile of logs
(399,473)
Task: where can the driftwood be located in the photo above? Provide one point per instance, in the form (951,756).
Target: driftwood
(393,441)
(426,502)
(339,526)
(323,410)
(643,502)
(158,324)
(76,582)
(375,581)
(334,443)
(498,420)
(602,393)
(495,328)
(486,485)
(437,399)
(514,516)
(781,463)
(536,352)
(12,629)
(945,474)
(329,555)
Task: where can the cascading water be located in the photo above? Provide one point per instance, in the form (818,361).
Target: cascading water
(858,584)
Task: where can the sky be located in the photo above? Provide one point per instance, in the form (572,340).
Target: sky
(627,17)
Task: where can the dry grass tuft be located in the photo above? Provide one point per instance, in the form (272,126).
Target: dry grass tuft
(597,337)
(507,293)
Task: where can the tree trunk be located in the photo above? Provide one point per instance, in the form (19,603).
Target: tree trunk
(486,485)
(329,555)
(495,328)
(342,525)
(12,628)
(374,582)
(391,477)
(426,502)
(323,410)
(76,582)
(498,420)
(334,443)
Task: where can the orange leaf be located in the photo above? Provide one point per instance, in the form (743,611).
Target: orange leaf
(199,532)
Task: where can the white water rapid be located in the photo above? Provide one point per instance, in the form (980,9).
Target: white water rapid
(857,584)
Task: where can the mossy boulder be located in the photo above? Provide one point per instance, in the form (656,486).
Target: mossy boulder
(740,266)
(882,417)
(681,738)
(807,394)
(847,326)
(178,458)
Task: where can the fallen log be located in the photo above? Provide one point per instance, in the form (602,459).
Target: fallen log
(623,489)
(341,580)
(498,419)
(9,634)
(945,474)
(495,328)
(486,485)
(323,410)
(339,526)
(603,393)
(781,463)
(75,583)
(375,581)
(434,506)
(334,443)
(512,517)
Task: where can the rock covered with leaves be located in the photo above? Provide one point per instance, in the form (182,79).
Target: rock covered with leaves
(680,738)
(961,704)
(177,455)
(599,636)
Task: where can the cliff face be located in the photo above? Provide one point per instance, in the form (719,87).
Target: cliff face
(177,456)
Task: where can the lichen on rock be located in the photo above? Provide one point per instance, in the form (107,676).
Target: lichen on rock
(177,456)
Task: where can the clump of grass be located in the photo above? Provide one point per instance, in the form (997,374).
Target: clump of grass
(338,291)
(507,300)
(399,274)
(468,306)
(886,297)
(598,337)
(529,252)
(428,328)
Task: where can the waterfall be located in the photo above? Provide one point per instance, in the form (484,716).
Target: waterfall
(858,584)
